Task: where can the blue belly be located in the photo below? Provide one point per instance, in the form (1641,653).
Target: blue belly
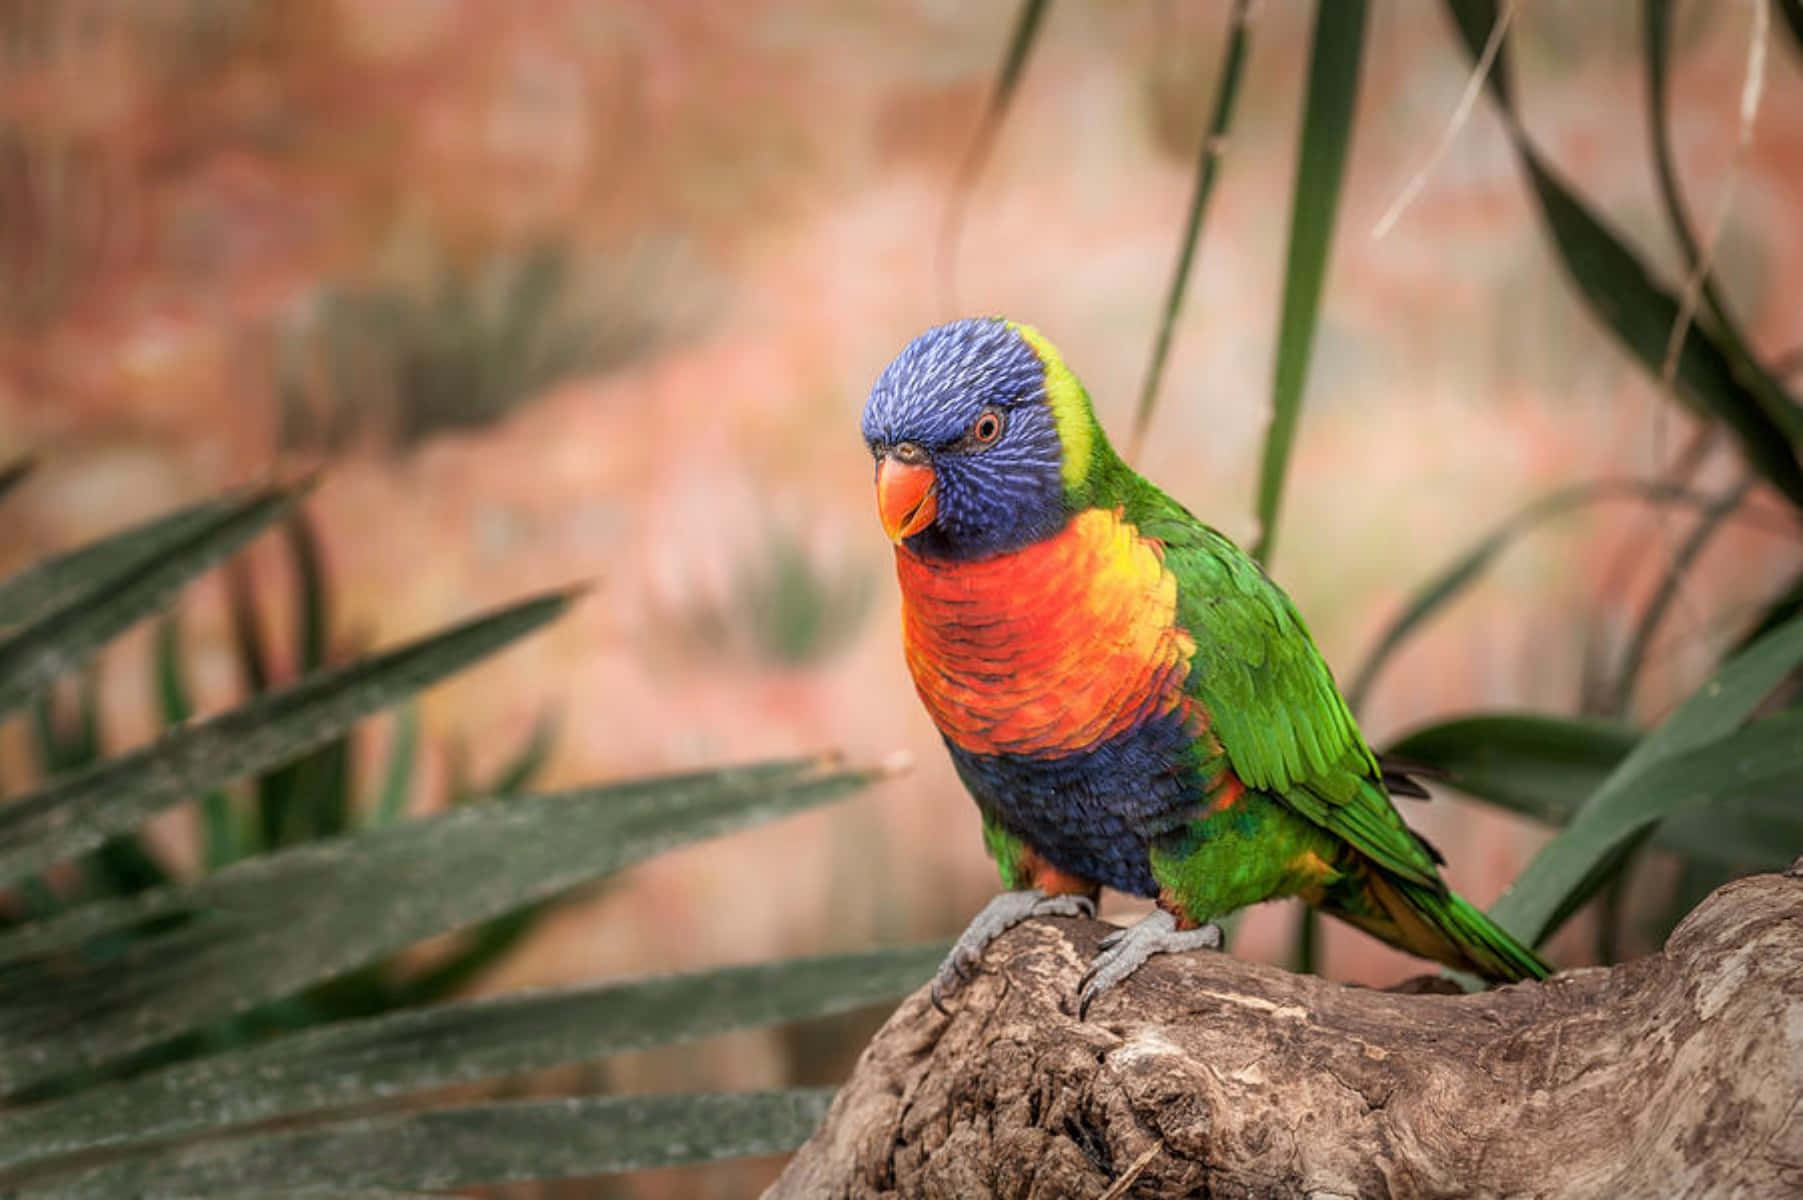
(1092,813)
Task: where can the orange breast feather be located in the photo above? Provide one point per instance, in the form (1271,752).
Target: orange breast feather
(1049,649)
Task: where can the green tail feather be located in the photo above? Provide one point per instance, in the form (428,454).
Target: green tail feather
(1490,950)
(1430,921)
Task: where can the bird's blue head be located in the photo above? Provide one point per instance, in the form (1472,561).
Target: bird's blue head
(984,441)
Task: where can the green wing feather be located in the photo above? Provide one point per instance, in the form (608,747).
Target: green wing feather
(1269,694)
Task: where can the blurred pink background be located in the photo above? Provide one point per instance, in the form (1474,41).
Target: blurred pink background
(760,186)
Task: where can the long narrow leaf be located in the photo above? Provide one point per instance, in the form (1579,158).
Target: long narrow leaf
(1744,774)
(218,825)
(1452,580)
(397,779)
(1724,702)
(322,779)
(1014,61)
(1622,293)
(69,816)
(1684,559)
(486,945)
(121,866)
(459,1147)
(1546,767)
(1764,385)
(405,1053)
(275,788)
(40,589)
(274,924)
(313,630)
(1694,757)
(38,652)
(1214,144)
(1542,767)
(1335,56)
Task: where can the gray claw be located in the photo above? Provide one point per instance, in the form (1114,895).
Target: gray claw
(1001,914)
(1125,950)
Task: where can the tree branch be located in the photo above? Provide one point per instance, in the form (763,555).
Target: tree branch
(1678,1074)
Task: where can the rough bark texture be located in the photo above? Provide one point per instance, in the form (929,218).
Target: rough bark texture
(1677,1075)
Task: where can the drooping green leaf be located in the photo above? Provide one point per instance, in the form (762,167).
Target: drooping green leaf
(1335,55)
(1765,386)
(1452,580)
(1214,144)
(1723,704)
(414,1051)
(1546,767)
(257,930)
(1757,829)
(71,815)
(459,1147)
(1740,780)
(1542,767)
(1695,757)
(1622,293)
(51,644)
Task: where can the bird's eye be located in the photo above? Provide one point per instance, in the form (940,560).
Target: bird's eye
(987,427)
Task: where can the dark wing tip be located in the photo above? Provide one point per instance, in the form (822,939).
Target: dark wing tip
(1399,777)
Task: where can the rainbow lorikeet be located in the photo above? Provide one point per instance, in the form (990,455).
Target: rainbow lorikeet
(1131,701)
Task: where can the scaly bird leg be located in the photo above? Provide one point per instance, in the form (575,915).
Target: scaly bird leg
(1000,915)
(1125,950)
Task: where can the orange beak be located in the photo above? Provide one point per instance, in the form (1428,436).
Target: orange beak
(905,497)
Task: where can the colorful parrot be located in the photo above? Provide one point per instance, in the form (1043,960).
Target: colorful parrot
(1131,701)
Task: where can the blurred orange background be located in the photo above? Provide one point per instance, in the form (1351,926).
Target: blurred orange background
(745,200)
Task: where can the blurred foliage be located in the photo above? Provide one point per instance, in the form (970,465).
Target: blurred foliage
(270,985)
(317,795)
(464,348)
(1715,782)
(1213,145)
(784,607)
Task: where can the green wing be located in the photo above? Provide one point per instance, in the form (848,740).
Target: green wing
(1270,697)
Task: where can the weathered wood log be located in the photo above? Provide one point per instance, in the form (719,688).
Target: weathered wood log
(1680,1074)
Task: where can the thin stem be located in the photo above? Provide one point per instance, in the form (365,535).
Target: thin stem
(1214,144)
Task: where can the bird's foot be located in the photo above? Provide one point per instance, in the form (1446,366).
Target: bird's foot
(999,916)
(1125,950)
